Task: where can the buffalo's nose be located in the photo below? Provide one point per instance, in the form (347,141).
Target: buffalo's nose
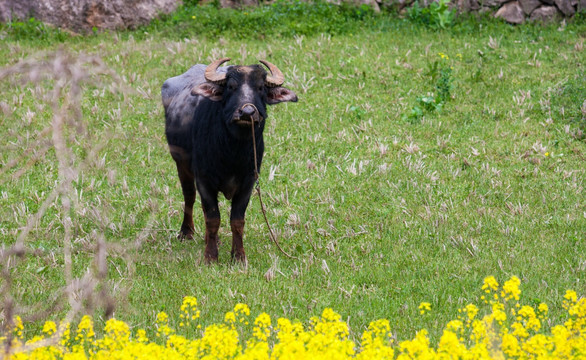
(248,111)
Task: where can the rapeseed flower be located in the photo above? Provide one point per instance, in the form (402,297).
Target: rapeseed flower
(511,289)
(18,327)
(424,307)
(490,284)
(49,328)
(480,333)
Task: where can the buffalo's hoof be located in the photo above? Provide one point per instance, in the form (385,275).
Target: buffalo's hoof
(209,260)
(239,257)
(210,256)
(185,234)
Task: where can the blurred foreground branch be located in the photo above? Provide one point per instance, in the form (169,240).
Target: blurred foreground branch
(58,80)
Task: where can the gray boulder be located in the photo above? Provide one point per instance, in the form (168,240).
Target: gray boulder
(465,6)
(545,14)
(84,15)
(566,7)
(529,5)
(511,12)
(491,3)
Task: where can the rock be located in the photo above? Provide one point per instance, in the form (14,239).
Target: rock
(235,4)
(548,2)
(545,14)
(464,6)
(14,10)
(400,4)
(492,3)
(529,5)
(565,7)
(581,5)
(84,15)
(474,5)
(511,12)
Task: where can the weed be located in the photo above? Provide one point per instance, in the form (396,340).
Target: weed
(440,73)
(437,15)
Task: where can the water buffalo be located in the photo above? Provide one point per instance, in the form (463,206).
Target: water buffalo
(209,115)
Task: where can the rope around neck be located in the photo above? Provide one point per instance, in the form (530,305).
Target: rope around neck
(262,206)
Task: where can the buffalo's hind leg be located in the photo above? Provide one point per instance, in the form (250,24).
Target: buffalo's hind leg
(183,162)
(209,203)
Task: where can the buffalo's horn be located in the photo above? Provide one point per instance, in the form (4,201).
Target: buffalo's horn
(212,75)
(276,78)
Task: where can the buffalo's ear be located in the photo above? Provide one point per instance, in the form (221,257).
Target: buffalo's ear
(211,91)
(280,94)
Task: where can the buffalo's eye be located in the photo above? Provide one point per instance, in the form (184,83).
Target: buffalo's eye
(232,85)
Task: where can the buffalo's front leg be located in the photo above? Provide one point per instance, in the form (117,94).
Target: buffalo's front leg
(211,237)
(209,203)
(237,252)
(183,162)
(239,205)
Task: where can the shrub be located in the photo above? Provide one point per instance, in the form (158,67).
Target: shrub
(285,18)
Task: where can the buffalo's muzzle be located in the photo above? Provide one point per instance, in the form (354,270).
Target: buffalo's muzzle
(246,115)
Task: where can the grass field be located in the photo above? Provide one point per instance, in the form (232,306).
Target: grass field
(415,164)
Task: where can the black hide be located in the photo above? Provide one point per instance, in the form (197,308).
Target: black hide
(208,129)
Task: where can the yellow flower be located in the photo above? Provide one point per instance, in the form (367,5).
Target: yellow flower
(490,284)
(571,296)
(141,336)
(86,326)
(162,317)
(424,307)
(230,317)
(262,325)
(18,327)
(511,288)
(242,309)
(117,330)
(454,325)
(471,311)
(49,328)
(443,56)
(510,345)
(65,329)
(163,324)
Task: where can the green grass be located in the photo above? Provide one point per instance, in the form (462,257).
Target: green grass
(400,211)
